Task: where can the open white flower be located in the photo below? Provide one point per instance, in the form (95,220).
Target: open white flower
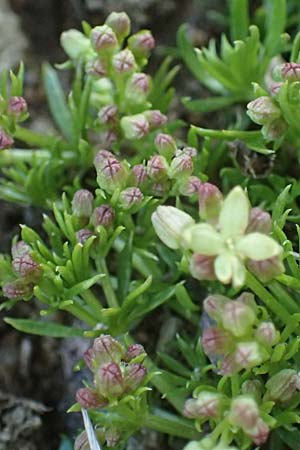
(228,241)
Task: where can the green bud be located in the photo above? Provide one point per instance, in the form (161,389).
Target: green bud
(282,386)
(263,110)
(74,43)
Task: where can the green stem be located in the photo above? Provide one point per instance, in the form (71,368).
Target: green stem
(226,134)
(235,385)
(9,157)
(170,424)
(79,312)
(40,140)
(93,302)
(282,294)
(109,292)
(270,302)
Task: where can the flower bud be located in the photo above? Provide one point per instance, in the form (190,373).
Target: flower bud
(228,366)
(190,186)
(165,145)
(112,437)
(119,22)
(259,433)
(155,118)
(216,341)
(259,221)
(89,358)
(290,71)
(244,412)
(108,115)
(190,151)
(131,197)
(267,334)
(20,249)
(17,290)
(137,88)
(5,140)
(210,202)
(26,267)
(111,174)
(157,167)
(202,267)
(133,352)
(96,67)
(274,89)
(89,398)
(108,138)
(103,215)
(134,376)
(214,306)
(138,175)
(109,380)
(17,106)
(82,442)
(181,166)
(267,269)
(103,39)
(248,354)
(135,127)
(82,203)
(141,43)
(107,349)
(169,223)
(83,235)
(263,110)
(160,188)
(282,386)
(206,405)
(74,43)
(253,388)
(274,130)
(238,317)
(124,62)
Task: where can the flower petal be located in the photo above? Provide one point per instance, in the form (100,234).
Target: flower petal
(203,238)
(257,246)
(234,215)
(223,267)
(238,272)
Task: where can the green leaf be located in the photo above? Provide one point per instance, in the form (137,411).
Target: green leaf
(124,268)
(57,102)
(43,328)
(83,286)
(275,25)
(239,18)
(209,104)
(280,205)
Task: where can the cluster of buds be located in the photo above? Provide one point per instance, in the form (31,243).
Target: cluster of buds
(26,270)
(233,236)
(14,110)
(235,338)
(117,372)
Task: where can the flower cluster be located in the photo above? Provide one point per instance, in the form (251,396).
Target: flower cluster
(13,110)
(233,236)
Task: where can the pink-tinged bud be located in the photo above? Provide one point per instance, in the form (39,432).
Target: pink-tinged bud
(205,406)
(103,38)
(165,145)
(107,349)
(259,221)
(190,186)
(133,352)
(190,151)
(228,366)
(238,317)
(253,388)
(141,43)
(111,174)
(181,167)
(282,386)
(160,188)
(290,71)
(134,376)
(89,357)
(108,138)
(202,267)
(267,334)
(216,341)
(20,249)
(82,442)
(157,167)
(267,269)
(210,202)
(103,215)
(82,203)
(138,175)
(112,437)
(5,140)
(124,62)
(17,290)
(274,130)
(26,267)
(109,380)
(101,158)
(135,127)
(274,89)
(248,354)
(108,115)
(263,110)
(214,306)
(131,197)
(83,235)
(137,88)
(119,22)
(260,433)
(89,399)
(155,118)
(96,67)
(17,106)
(244,412)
